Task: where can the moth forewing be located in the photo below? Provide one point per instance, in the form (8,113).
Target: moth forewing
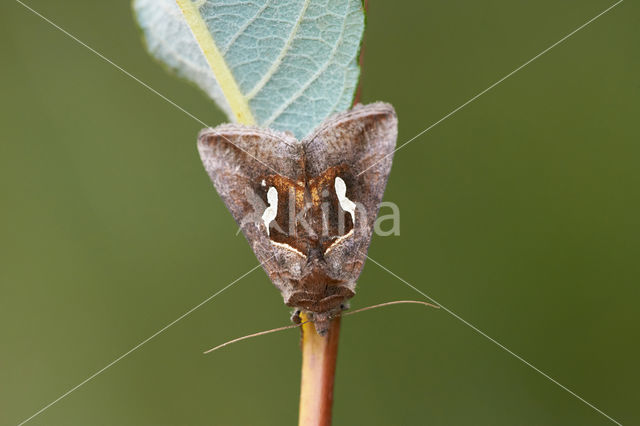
(244,164)
(360,143)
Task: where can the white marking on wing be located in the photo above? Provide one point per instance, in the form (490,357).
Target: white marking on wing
(338,241)
(270,212)
(288,247)
(346,204)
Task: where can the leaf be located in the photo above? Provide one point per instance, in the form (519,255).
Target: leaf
(284,64)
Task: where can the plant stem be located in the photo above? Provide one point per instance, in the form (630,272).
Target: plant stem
(319,355)
(358,95)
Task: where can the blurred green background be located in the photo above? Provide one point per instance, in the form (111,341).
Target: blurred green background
(520,213)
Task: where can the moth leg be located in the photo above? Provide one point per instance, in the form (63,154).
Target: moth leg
(295,317)
(322,322)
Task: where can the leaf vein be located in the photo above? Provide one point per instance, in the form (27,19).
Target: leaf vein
(285,48)
(313,78)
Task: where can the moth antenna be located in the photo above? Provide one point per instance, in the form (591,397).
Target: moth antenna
(287,327)
(260,333)
(395,302)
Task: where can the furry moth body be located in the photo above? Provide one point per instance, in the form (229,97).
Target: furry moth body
(306,207)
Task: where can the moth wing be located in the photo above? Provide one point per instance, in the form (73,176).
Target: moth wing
(358,147)
(240,160)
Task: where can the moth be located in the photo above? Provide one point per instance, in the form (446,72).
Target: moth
(307,208)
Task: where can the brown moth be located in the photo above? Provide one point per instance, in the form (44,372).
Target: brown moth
(306,207)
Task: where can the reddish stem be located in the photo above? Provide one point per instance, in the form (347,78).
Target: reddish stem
(319,355)
(358,95)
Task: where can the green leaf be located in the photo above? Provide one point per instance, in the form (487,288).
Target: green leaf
(284,64)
